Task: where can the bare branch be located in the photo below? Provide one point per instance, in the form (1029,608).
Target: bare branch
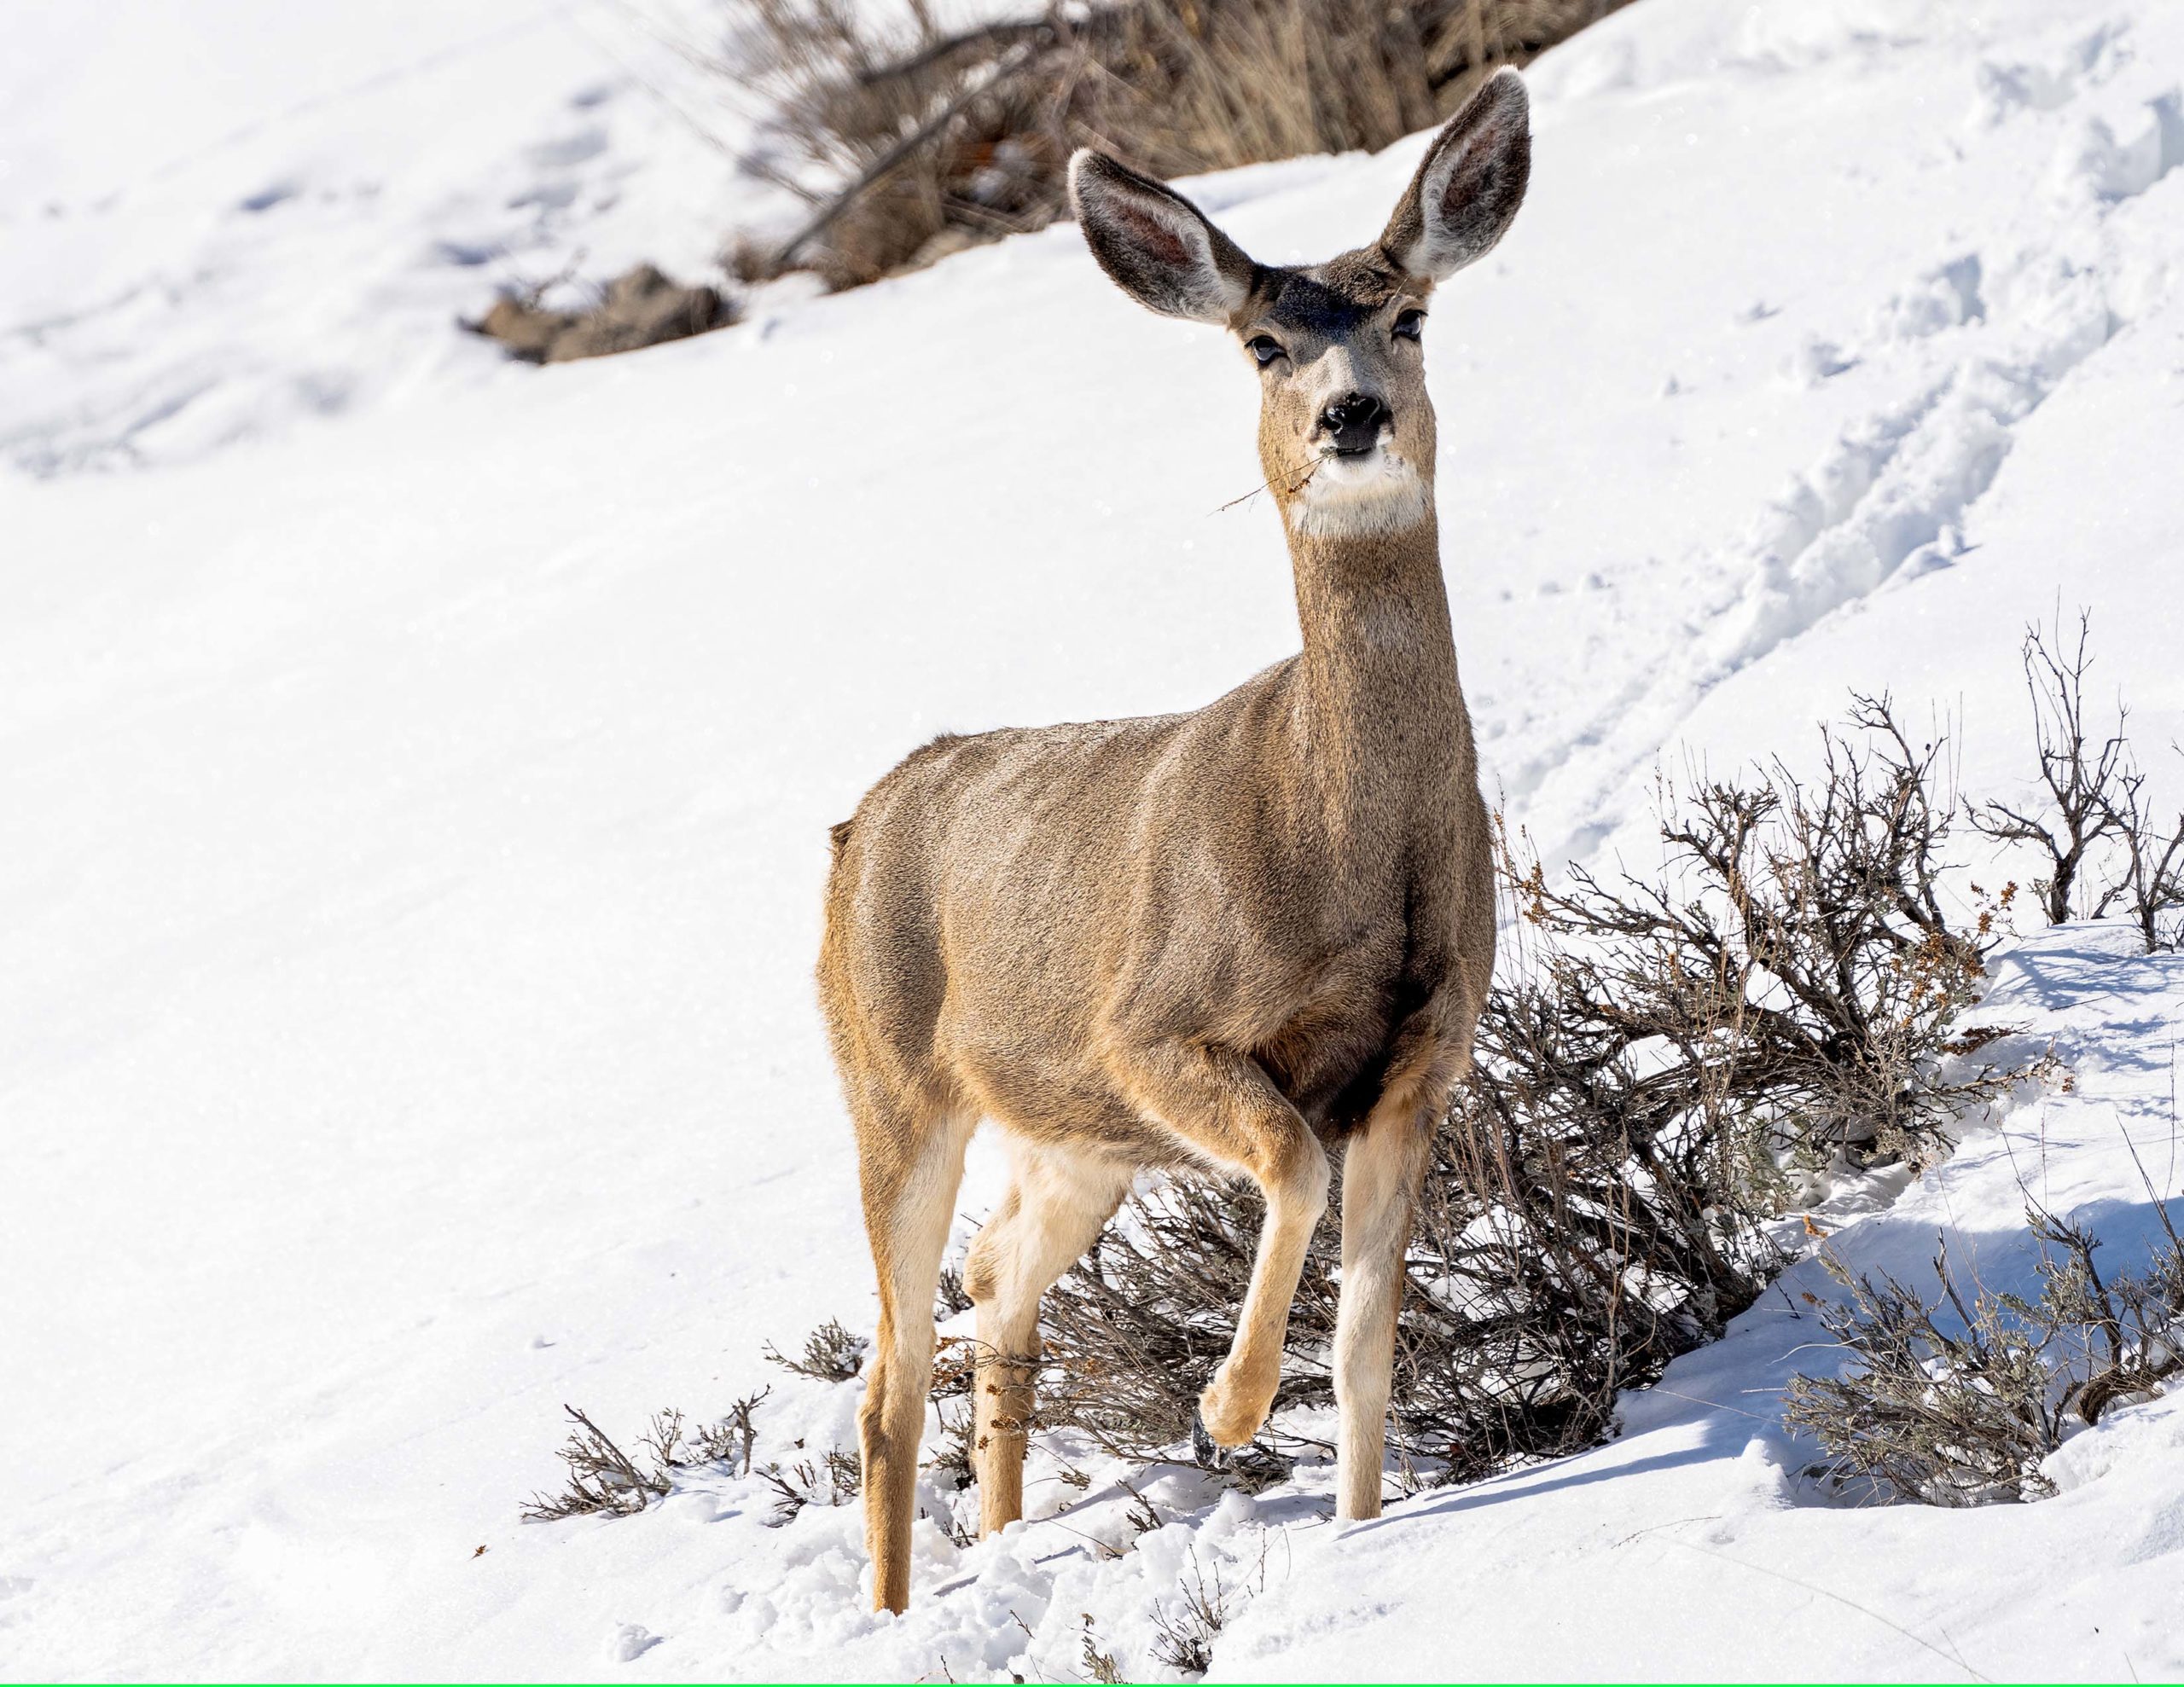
(2150,884)
(2084,777)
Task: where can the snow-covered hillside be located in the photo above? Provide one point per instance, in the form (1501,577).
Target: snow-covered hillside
(415,773)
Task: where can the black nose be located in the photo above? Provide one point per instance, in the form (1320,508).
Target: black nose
(1353,422)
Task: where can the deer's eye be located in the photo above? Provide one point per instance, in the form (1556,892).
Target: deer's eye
(1264,348)
(1410,325)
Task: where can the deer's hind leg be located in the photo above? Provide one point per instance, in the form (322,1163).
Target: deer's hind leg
(910,1164)
(1055,1205)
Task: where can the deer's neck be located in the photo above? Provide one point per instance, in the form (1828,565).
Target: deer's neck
(1380,713)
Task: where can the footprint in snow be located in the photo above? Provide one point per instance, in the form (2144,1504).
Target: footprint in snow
(580,147)
(2006,87)
(1818,360)
(1945,296)
(2110,166)
(629,1641)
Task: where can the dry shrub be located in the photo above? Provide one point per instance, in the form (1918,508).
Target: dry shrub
(2079,769)
(2090,810)
(1955,1414)
(2149,886)
(1099,1663)
(1183,1637)
(1571,1240)
(733,1439)
(1663,1057)
(1955,1401)
(923,140)
(601,1477)
(954,1377)
(834,1478)
(2121,1336)
(832,1353)
(1794,969)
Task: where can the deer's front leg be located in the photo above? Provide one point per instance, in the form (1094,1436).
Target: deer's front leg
(1383,1165)
(1225,1107)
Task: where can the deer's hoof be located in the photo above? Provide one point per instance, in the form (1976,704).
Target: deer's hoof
(1233,1413)
(1228,1416)
(1209,1454)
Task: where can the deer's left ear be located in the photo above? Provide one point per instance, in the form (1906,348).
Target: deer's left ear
(1155,245)
(1468,190)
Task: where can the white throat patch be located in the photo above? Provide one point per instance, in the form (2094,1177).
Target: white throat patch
(1353,499)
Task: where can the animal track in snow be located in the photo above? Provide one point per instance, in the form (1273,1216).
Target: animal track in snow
(2097,162)
(1892,485)
(569,150)
(1817,360)
(2008,87)
(1946,297)
(1896,484)
(1959,356)
(628,1641)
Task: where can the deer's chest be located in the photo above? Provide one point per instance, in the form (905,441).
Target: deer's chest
(1327,1054)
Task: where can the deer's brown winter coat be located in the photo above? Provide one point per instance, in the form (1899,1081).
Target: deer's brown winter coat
(1217,940)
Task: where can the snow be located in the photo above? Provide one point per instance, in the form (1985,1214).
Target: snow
(415,771)
(223,222)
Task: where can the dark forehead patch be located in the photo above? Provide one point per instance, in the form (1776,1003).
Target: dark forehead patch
(1332,300)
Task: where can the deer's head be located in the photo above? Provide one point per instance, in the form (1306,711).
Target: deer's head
(1345,427)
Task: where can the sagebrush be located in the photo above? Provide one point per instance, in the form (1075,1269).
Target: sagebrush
(912,139)
(1668,1054)
(601,1477)
(1955,1401)
(2089,820)
(832,1353)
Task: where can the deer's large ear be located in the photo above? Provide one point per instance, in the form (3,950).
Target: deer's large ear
(1468,187)
(1155,245)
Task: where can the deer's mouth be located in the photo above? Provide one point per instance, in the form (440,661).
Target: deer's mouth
(1354,493)
(1359,463)
(1378,485)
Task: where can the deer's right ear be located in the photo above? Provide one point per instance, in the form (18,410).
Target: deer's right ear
(1155,245)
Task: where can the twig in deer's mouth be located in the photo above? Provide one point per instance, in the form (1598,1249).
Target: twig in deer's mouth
(1289,490)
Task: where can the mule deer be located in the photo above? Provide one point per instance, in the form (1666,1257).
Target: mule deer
(1207,940)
